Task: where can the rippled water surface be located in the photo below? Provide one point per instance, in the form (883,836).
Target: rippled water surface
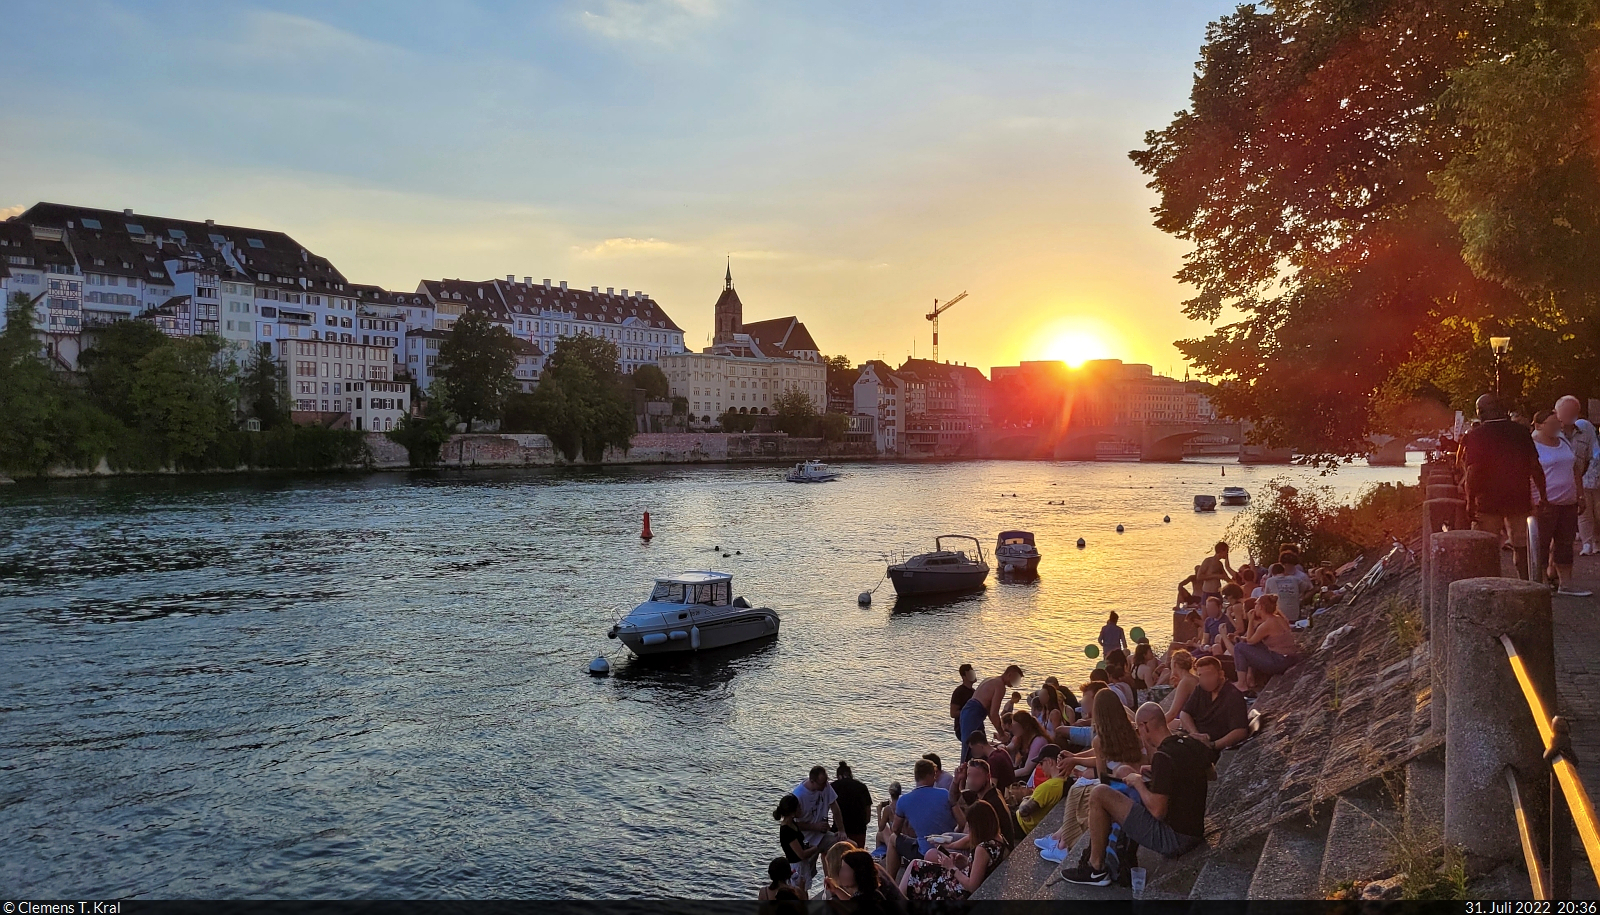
(374,686)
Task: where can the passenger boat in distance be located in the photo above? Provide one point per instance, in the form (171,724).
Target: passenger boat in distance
(812,472)
(1205,503)
(1235,495)
(692,611)
(941,571)
(1015,552)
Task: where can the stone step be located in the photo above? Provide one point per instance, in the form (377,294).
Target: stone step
(1424,805)
(1222,879)
(1290,865)
(1362,841)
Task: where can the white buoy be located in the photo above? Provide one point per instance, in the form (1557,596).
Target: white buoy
(600,667)
(864,598)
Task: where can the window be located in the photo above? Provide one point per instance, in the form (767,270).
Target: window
(256,243)
(135,229)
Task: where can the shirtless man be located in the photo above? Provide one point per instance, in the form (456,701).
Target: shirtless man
(985,703)
(1214,572)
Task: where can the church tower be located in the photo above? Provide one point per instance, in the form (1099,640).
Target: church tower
(729,311)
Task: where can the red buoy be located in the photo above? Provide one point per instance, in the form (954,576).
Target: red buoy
(646,535)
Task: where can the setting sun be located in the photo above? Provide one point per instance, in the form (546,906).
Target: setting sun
(1075,347)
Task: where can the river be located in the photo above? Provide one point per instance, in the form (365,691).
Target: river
(374,686)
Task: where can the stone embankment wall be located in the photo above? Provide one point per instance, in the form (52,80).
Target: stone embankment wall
(528,450)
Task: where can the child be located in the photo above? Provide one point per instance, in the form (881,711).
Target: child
(1111,635)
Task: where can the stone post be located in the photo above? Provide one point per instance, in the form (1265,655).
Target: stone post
(1442,491)
(1490,724)
(1437,515)
(1455,555)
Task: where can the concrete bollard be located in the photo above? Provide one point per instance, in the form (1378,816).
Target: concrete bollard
(1437,515)
(1442,491)
(1454,555)
(1490,724)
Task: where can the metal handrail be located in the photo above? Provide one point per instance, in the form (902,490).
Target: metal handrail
(1535,561)
(1556,735)
(1537,875)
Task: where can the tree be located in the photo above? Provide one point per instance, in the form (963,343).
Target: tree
(842,375)
(424,436)
(831,427)
(652,381)
(1301,175)
(477,363)
(184,396)
(111,363)
(264,388)
(796,414)
(521,413)
(732,420)
(581,402)
(33,401)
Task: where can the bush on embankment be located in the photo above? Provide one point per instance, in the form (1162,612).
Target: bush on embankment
(1326,529)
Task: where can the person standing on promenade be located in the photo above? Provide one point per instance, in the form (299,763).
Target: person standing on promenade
(1559,509)
(802,855)
(1214,571)
(958,699)
(985,703)
(1112,638)
(1501,463)
(1586,445)
(855,804)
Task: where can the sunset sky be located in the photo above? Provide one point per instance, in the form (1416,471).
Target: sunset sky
(856,160)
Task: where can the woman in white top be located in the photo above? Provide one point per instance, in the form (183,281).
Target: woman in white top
(1558,513)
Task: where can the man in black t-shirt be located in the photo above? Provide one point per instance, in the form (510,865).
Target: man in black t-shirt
(855,804)
(1502,470)
(960,697)
(1169,817)
(1216,713)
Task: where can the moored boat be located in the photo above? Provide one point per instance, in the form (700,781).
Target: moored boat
(941,571)
(1235,495)
(1015,552)
(693,611)
(1205,503)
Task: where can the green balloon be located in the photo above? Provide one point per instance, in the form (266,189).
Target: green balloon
(1100,665)
(1091,651)
(1136,633)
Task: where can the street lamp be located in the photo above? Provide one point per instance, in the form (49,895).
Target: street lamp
(1500,346)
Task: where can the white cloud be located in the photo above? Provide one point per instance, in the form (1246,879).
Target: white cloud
(653,21)
(624,247)
(8,212)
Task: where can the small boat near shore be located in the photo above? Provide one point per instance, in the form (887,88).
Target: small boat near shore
(941,571)
(1015,552)
(811,472)
(692,611)
(1205,503)
(1235,495)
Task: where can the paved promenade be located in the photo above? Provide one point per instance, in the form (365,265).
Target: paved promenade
(1577,631)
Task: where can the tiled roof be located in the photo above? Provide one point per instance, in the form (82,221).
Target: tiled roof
(134,244)
(787,334)
(504,299)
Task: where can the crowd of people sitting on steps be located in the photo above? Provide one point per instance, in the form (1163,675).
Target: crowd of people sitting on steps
(1130,754)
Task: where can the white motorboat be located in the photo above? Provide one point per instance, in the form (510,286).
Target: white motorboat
(812,472)
(1235,495)
(692,611)
(1015,552)
(1205,503)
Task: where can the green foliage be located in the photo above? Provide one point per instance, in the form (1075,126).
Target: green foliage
(831,427)
(424,436)
(652,381)
(521,413)
(582,403)
(842,375)
(732,420)
(289,447)
(110,365)
(184,395)
(45,422)
(1325,529)
(1405,622)
(796,413)
(1373,189)
(477,364)
(264,389)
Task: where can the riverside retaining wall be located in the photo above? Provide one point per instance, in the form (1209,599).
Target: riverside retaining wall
(529,450)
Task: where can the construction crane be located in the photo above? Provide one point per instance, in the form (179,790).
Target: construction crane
(934,317)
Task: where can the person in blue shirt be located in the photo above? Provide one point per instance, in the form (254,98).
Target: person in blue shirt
(1111,635)
(918,814)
